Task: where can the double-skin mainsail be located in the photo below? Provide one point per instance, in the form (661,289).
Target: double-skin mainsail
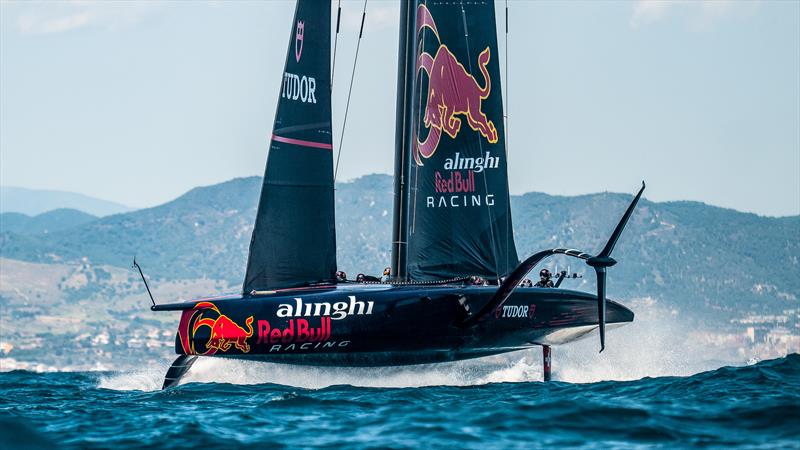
(455,195)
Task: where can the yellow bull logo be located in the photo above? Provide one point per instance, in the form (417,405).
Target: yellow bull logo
(452,92)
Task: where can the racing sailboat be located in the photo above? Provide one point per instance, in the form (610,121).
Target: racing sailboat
(452,222)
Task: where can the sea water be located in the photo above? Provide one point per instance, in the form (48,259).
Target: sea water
(495,403)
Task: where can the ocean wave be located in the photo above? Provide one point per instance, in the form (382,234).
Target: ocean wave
(465,406)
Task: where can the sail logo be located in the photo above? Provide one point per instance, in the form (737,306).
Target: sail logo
(452,92)
(336,311)
(456,182)
(298,40)
(299,87)
(459,201)
(478,164)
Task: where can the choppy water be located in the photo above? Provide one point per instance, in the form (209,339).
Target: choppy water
(751,406)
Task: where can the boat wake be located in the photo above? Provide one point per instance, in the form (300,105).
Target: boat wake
(650,347)
(149,379)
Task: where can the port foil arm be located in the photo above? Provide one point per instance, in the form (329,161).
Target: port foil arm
(512,282)
(599,263)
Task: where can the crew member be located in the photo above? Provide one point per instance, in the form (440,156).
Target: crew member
(362,278)
(544,279)
(386,272)
(341,276)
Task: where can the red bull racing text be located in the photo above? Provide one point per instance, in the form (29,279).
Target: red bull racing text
(298,335)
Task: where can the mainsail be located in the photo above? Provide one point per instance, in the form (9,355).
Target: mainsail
(294,239)
(459,215)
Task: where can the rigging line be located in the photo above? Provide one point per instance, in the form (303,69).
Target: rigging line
(480,145)
(415,126)
(509,231)
(350,92)
(404,177)
(506,83)
(336,40)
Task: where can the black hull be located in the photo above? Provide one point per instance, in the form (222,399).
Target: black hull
(384,325)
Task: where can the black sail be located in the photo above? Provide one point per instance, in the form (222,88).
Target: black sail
(460,214)
(294,239)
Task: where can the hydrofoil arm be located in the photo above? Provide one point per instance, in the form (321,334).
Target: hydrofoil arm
(599,263)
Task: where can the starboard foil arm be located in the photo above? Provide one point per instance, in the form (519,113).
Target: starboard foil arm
(599,263)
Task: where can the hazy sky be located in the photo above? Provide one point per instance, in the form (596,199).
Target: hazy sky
(139,102)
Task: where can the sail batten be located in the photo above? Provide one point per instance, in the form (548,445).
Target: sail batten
(294,239)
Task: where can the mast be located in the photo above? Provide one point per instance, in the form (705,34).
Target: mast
(402,155)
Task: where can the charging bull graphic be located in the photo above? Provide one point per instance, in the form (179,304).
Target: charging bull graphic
(452,92)
(224,332)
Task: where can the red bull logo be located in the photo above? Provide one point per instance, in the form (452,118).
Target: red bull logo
(224,332)
(453,93)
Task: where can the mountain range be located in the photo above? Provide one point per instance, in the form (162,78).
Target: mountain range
(33,202)
(703,260)
(47,222)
